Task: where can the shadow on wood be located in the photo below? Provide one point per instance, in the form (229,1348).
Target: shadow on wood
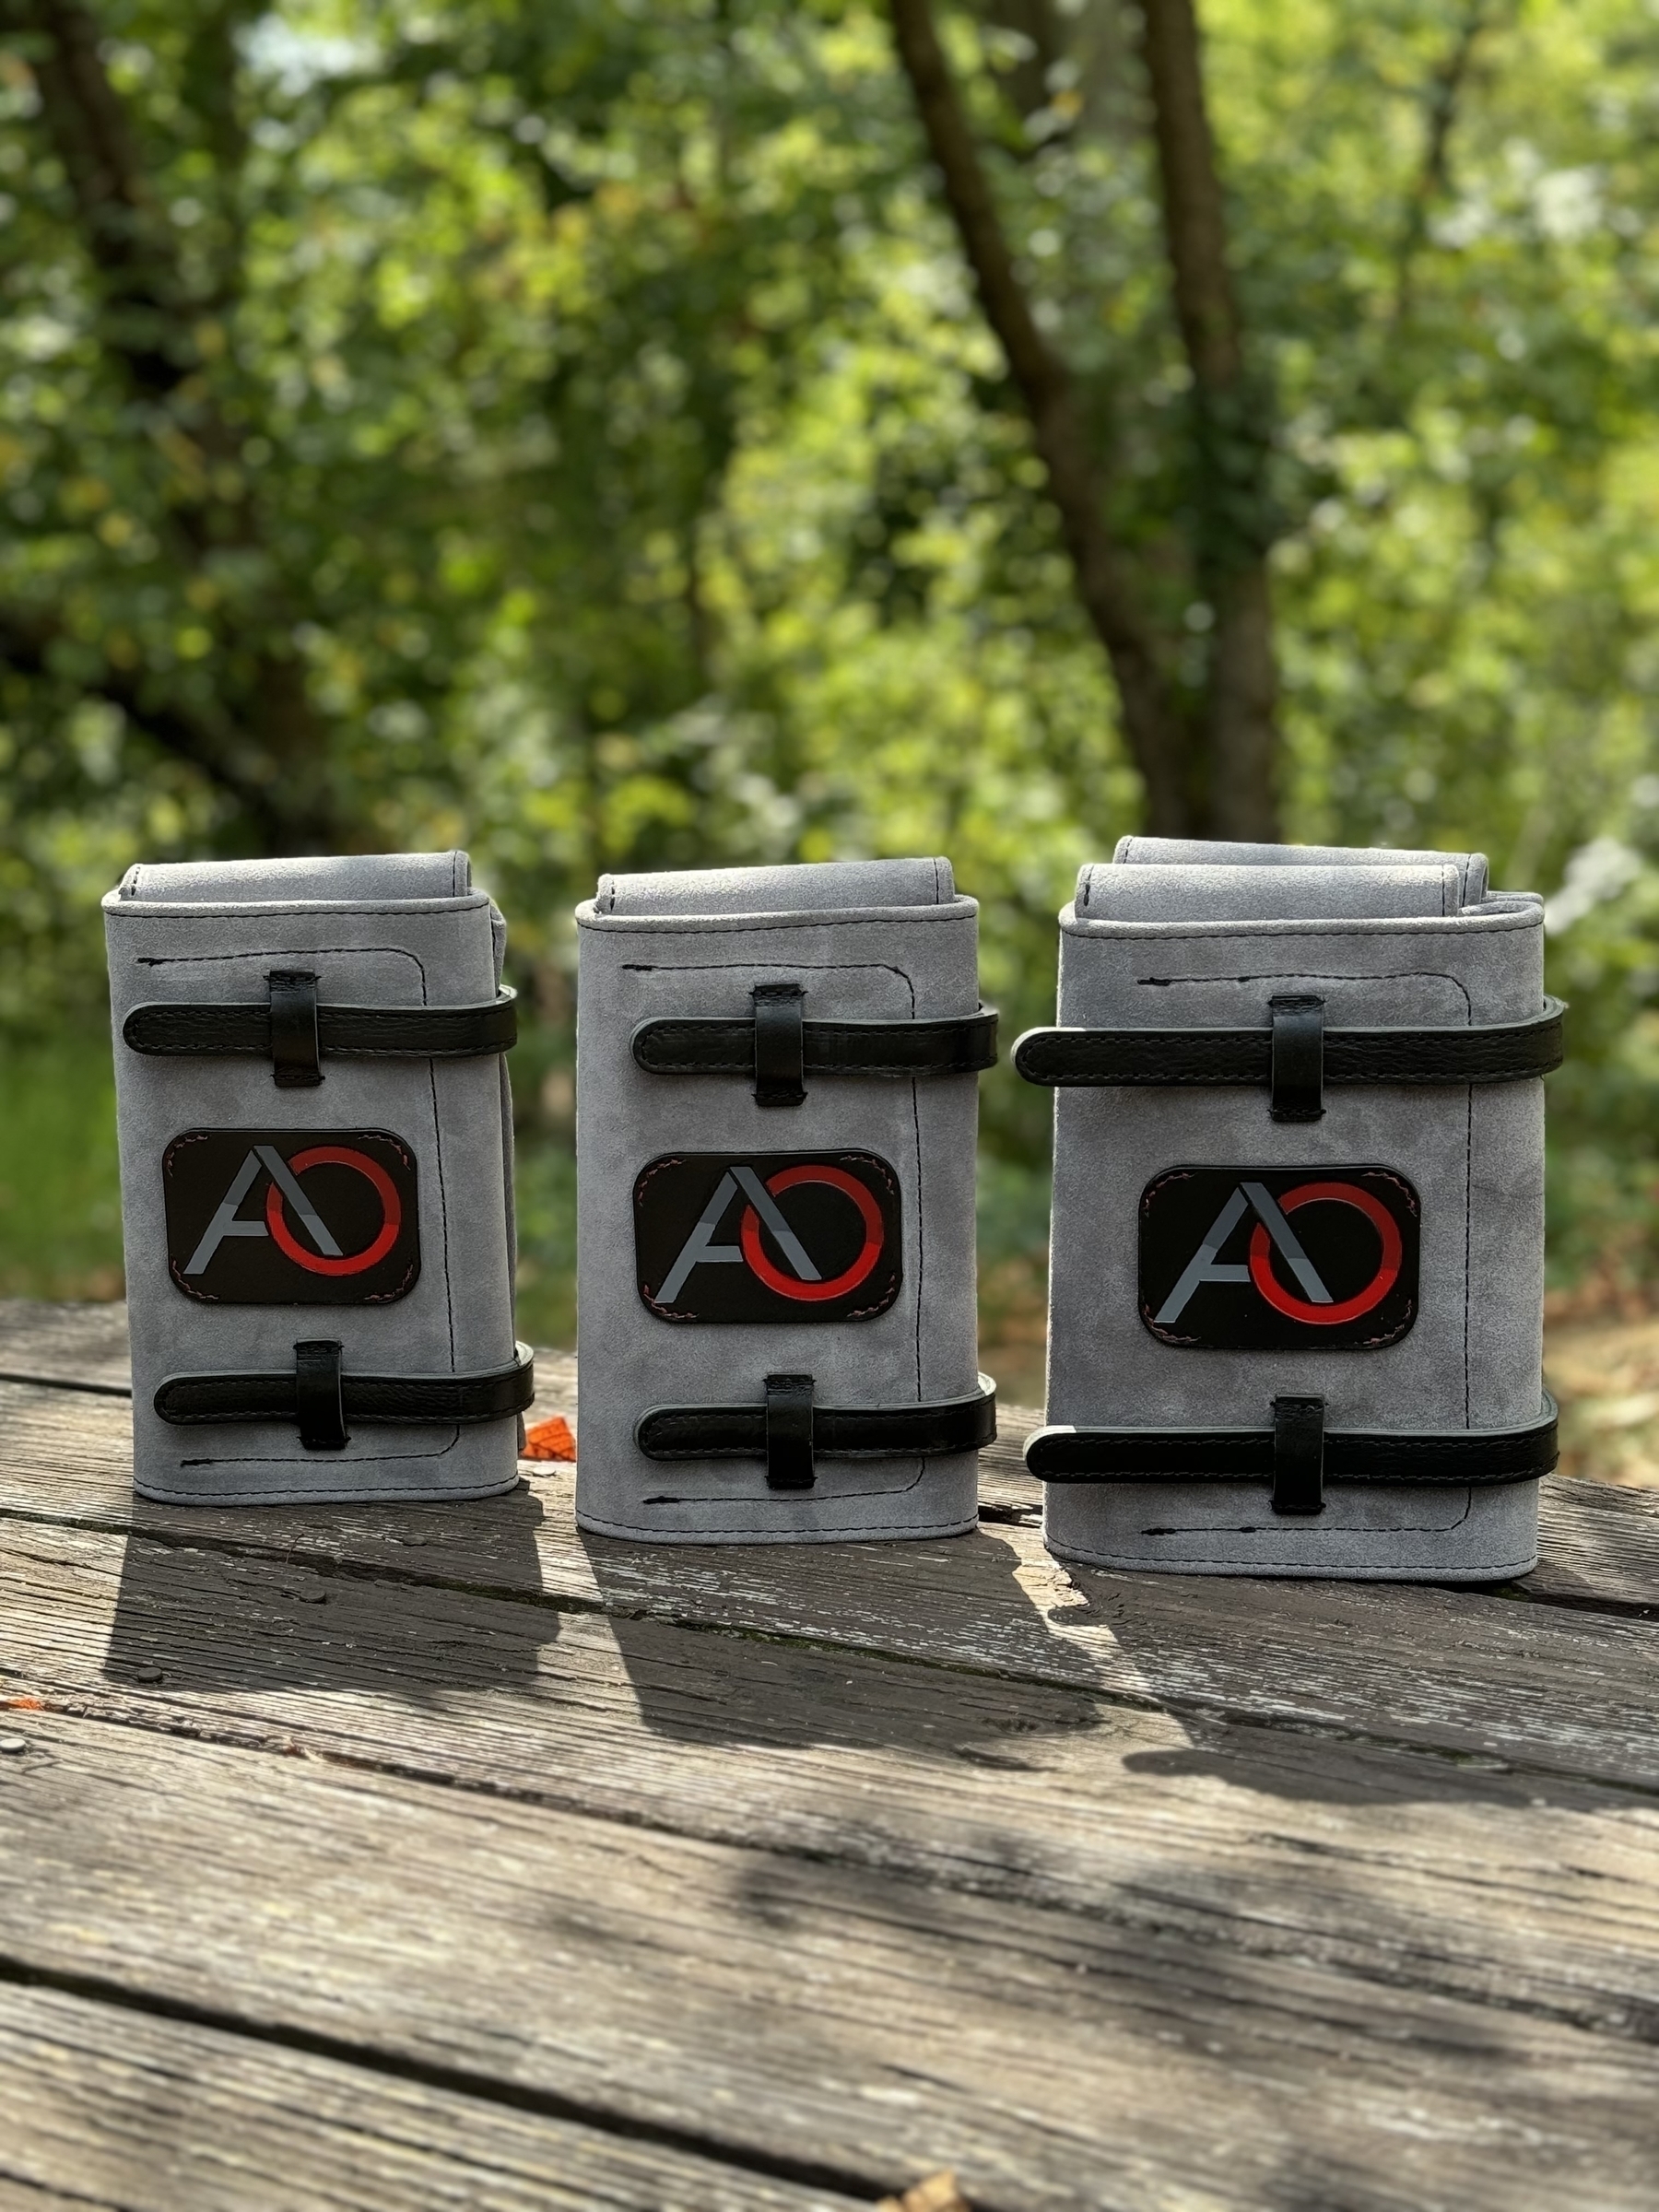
(201,1619)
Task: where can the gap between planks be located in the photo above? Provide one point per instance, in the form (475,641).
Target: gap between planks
(1475,1881)
(816,2017)
(118,2104)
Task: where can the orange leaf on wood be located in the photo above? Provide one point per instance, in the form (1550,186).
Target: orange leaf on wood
(550,1440)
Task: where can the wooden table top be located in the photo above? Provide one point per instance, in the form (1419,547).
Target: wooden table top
(416,1857)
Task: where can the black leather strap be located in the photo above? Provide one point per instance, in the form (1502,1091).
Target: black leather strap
(789,1432)
(294,1048)
(354,1032)
(317,1396)
(780,1059)
(1299,1455)
(1493,1052)
(1297,1068)
(464,1400)
(933,1431)
(1481,1456)
(703,1045)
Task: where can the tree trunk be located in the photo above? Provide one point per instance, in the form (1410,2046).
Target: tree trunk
(268,748)
(1153,725)
(1236,796)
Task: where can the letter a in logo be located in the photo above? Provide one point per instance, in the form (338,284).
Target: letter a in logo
(1223,1267)
(290,1218)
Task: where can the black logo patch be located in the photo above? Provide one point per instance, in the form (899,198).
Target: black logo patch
(291,1216)
(768,1235)
(1279,1259)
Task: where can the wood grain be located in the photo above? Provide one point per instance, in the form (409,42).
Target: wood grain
(113,2107)
(1599,1544)
(70,1344)
(777,2009)
(1402,1868)
(1556,1689)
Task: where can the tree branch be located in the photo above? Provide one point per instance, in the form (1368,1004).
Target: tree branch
(1445,90)
(204,742)
(1152,722)
(1231,442)
(277,770)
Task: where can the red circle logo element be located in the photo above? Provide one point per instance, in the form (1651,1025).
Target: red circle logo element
(786,1285)
(1348,1309)
(352,1263)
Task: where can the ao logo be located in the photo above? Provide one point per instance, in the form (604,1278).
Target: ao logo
(1316,1308)
(806,1283)
(325,1256)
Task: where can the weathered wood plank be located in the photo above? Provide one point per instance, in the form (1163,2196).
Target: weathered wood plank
(1600,1546)
(1500,1886)
(781,2008)
(72,1344)
(1456,1670)
(110,2106)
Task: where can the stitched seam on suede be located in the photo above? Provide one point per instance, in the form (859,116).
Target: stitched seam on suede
(225,910)
(1421,1528)
(375,1459)
(1314,975)
(282,952)
(765,1529)
(1468,1235)
(1385,925)
(807,967)
(448,1288)
(731,925)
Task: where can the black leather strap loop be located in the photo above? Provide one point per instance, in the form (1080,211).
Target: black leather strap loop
(318,1405)
(1493,1052)
(1475,1457)
(1298,1064)
(789,1432)
(353,1033)
(1299,1455)
(294,1018)
(949,1426)
(904,1050)
(401,1400)
(780,1058)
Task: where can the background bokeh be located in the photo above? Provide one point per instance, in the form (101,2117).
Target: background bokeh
(570,431)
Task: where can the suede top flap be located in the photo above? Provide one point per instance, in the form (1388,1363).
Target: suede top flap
(1205,853)
(810,887)
(333,877)
(1231,892)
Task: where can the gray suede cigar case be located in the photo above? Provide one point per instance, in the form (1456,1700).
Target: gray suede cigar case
(776,1118)
(316,1180)
(1296,1276)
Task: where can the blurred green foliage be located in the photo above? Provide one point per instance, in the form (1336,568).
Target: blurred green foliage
(580,418)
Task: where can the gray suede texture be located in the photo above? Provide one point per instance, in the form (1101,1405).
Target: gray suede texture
(822,886)
(1221,949)
(1204,853)
(212,931)
(866,940)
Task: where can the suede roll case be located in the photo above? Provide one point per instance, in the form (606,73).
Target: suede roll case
(1296,1275)
(316,1148)
(776,1121)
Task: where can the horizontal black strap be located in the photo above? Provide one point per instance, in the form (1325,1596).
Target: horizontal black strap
(355,1032)
(1483,1456)
(186,1400)
(1494,1052)
(838,1431)
(703,1045)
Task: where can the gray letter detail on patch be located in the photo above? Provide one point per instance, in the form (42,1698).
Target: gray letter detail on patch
(1204,1267)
